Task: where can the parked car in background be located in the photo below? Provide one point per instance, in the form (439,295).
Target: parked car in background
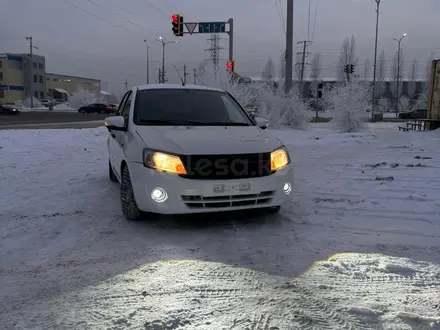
(414,114)
(98,108)
(7,109)
(114,106)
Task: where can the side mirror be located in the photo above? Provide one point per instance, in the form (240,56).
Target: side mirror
(116,123)
(261,122)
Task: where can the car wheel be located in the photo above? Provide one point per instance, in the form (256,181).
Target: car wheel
(128,203)
(111,174)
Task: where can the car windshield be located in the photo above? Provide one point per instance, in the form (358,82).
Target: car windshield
(188,107)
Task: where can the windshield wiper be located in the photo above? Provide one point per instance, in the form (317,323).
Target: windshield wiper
(189,122)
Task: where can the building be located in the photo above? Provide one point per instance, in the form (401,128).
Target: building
(20,76)
(11,78)
(60,86)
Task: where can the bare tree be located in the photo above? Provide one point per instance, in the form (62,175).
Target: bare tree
(412,84)
(367,68)
(282,65)
(397,70)
(423,99)
(347,56)
(428,67)
(269,70)
(381,74)
(315,74)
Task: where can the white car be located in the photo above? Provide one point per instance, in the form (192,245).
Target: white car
(179,149)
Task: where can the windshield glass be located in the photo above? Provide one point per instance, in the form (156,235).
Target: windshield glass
(188,107)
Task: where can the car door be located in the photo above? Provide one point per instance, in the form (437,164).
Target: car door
(120,137)
(113,146)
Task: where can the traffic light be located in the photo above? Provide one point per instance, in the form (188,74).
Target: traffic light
(351,68)
(230,65)
(177,22)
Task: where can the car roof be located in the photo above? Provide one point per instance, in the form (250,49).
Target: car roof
(178,86)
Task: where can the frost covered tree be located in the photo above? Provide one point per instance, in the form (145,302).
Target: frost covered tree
(268,73)
(82,97)
(272,103)
(315,72)
(412,83)
(397,74)
(347,56)
(367,69)
(347,104)
(381,69)
(27,103)
(282,72)
(422,101)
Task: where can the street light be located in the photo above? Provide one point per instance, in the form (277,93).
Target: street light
(375,59)
(31,47)
(148,61)
(399,41)
(164,43)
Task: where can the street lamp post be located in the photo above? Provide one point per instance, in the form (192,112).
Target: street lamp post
(399,41)
(31,47)
(164,43)
(148,62)
(373,104)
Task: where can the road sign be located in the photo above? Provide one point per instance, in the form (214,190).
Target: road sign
(191,27)
(212,27)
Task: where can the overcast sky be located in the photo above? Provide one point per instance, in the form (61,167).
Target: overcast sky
(112,49)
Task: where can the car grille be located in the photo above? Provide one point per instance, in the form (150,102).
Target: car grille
(198,201)
(226,167)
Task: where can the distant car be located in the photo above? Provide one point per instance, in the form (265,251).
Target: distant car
(414,114)
(98,108)
(193,149)
(114,106)
(7,109)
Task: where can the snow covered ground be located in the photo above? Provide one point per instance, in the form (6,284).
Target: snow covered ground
(357,248)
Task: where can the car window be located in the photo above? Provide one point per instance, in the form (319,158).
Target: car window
(126,110)
(181,106)
(121,105)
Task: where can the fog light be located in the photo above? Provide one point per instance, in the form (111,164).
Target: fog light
(159,195)
(287,188)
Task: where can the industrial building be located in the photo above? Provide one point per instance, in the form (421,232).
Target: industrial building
(61,86)
(22,76)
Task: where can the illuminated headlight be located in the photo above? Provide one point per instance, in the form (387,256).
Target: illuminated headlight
(287,188)
(279,159)
(159,195)
(163,162)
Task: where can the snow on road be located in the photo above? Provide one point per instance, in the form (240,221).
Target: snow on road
(358,247)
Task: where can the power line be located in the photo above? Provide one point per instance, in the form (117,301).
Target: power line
(97,16)
(280,14)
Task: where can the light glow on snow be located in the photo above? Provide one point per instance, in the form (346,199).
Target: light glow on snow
(69,258)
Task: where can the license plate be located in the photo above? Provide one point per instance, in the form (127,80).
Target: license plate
(219,188)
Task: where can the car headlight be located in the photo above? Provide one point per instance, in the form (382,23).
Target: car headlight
(163,162)
(279,159)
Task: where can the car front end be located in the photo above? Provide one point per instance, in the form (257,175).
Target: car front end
(182,184)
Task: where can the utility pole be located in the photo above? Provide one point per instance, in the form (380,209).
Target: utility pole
(126,85)
(303,62)
(164,43)
(289,47)
(148,64)
(159,76)
(185,74)
(373,105)
(195,76)
(31,66)
(399,41)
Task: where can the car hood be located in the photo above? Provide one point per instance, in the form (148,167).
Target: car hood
(208,139)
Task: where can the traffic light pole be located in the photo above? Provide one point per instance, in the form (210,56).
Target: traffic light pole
(231,39)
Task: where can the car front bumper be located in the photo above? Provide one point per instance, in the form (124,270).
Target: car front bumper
(185,196)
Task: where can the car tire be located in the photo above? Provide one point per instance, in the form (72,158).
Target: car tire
(111,174)
(128,203)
